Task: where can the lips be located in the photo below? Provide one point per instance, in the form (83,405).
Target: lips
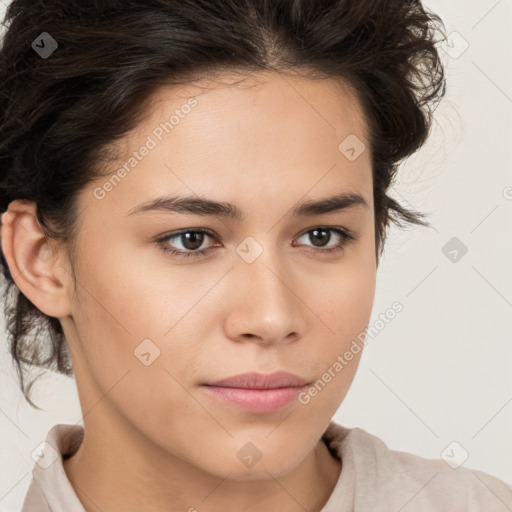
(256,392)
(253,380)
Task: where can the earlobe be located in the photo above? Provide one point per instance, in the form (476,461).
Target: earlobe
(32,263)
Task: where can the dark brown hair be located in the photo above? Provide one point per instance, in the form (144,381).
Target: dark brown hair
(60,115)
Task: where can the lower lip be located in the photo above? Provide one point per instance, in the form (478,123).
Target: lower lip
(256,400)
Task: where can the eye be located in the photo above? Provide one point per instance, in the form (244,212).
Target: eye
(193,239)
(322,236)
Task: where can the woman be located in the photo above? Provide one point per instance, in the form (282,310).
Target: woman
(195,206)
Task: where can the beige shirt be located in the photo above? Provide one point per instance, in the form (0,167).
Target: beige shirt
(373,478)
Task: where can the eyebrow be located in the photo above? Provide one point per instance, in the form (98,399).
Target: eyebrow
(201,206)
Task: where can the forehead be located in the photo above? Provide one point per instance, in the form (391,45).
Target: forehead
(238,105)
(273,96)
(244,132)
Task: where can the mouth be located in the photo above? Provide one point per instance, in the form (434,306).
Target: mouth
(257,392)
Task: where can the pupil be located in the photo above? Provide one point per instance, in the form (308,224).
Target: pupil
(325,236)
(195,238)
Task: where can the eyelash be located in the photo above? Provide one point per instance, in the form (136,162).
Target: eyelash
(345,235)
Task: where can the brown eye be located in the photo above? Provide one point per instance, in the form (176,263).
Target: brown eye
(321,236)
(190,239)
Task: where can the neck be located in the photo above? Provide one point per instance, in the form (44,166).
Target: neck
(107,476)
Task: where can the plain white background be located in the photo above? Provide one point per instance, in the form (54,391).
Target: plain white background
(440,371)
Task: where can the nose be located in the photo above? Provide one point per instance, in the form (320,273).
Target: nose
(267,305)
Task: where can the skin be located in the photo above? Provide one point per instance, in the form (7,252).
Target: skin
(154,440)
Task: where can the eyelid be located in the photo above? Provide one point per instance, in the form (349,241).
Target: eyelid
(161,240)
(345,231)
(346,234)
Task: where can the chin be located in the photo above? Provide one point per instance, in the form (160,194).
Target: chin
(260,471)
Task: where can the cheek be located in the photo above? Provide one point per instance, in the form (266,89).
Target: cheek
(122,321)
(130,313)
(344,305)
(347,312)
(345,299)
(130,297)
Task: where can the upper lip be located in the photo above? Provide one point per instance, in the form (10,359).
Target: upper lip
(261,381)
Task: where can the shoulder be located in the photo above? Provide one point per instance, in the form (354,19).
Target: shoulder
(425,483)
(35,499)
(50,489)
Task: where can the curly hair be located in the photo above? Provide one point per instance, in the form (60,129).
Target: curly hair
(61,115)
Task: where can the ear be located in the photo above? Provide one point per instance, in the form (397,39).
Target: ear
(33,263)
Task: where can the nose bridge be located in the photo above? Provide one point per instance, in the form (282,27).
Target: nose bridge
(266,304)
(266,277)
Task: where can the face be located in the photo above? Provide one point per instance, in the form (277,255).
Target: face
(268,290)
